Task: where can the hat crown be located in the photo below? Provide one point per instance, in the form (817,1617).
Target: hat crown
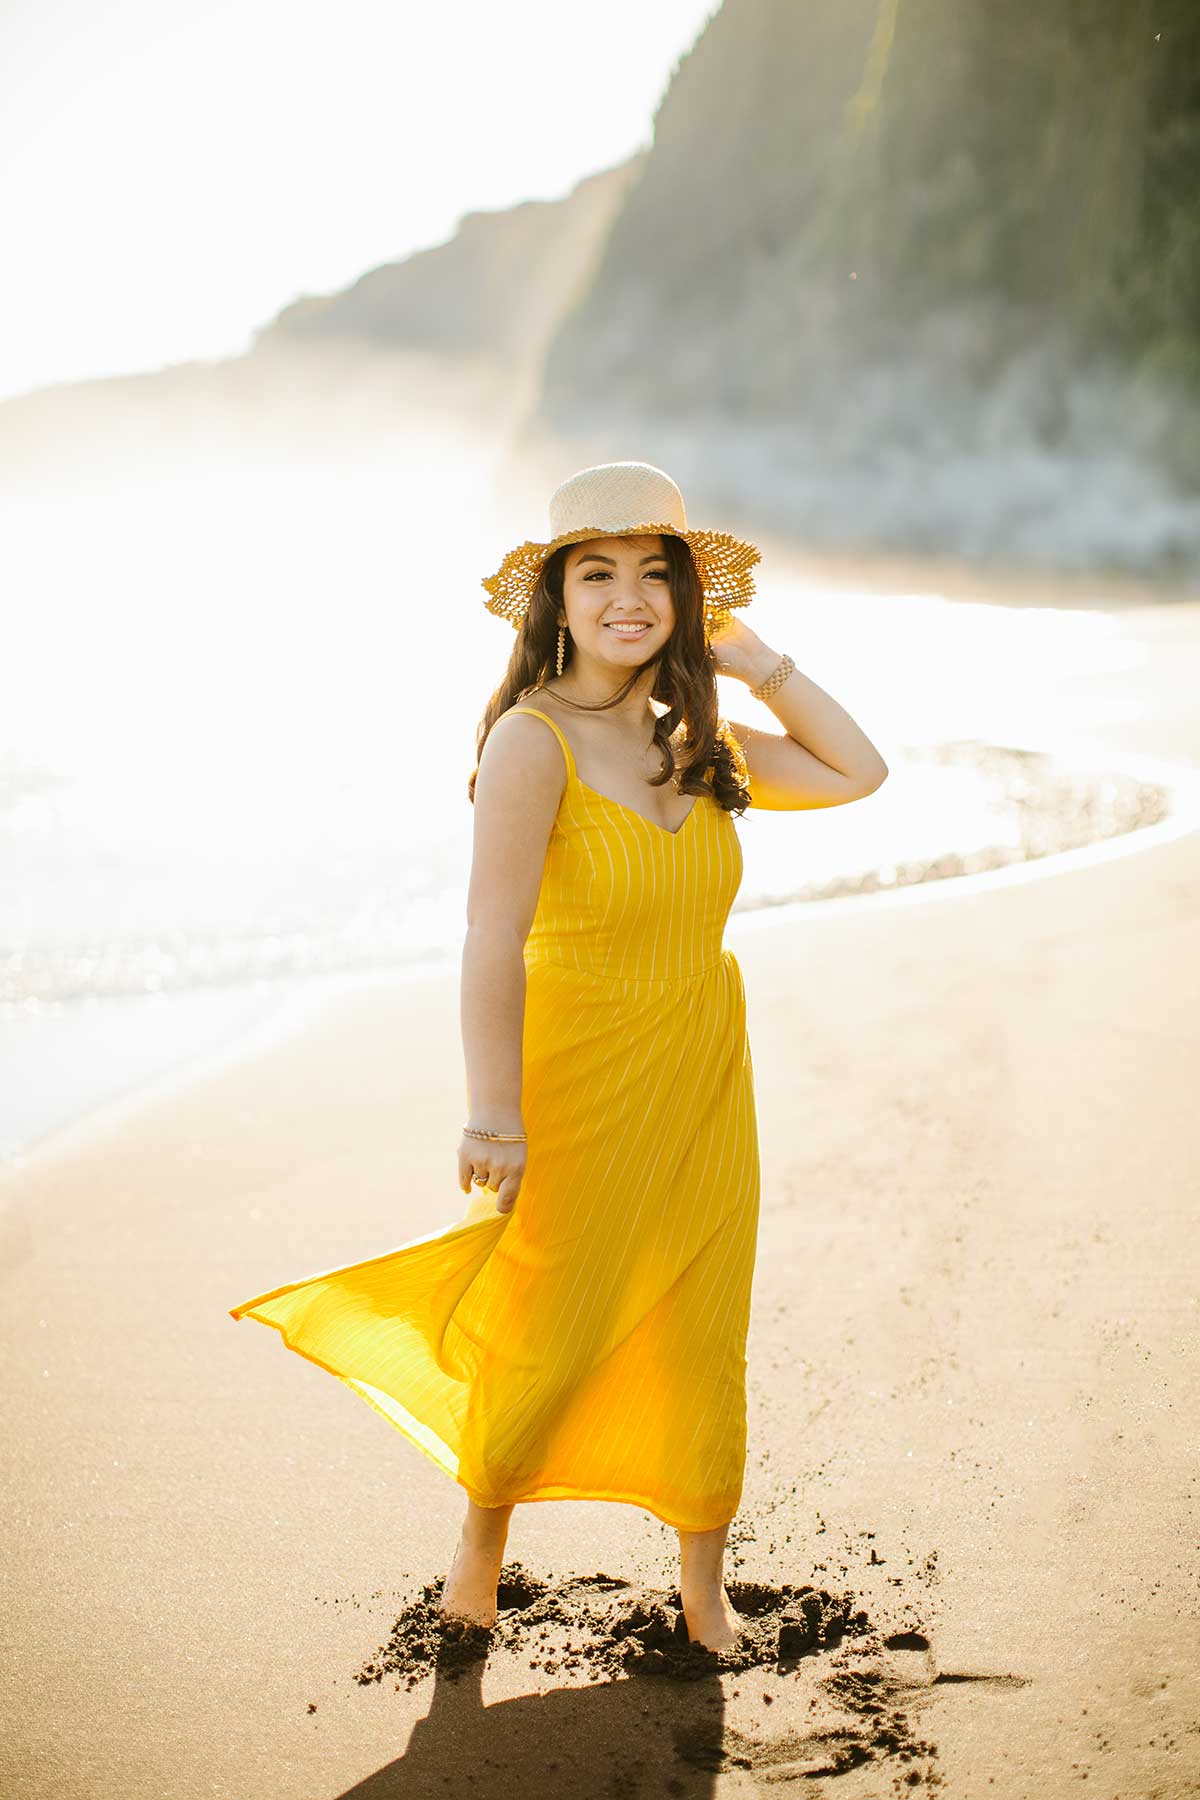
(615,497)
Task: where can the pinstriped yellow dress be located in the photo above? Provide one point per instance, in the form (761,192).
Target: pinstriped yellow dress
(591,1343)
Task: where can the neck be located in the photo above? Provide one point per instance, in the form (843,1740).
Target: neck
(591,683)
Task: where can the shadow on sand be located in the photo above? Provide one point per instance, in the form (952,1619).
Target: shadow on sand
(814,1687)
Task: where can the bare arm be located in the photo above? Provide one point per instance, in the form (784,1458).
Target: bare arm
(822,757)
(517,790)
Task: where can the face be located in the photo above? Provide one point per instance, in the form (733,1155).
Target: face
(610,582)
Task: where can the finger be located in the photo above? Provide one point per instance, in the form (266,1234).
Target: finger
(468,1169)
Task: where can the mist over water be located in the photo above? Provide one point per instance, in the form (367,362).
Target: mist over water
(241,716)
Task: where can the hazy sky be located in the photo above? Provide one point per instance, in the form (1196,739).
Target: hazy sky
(172,174)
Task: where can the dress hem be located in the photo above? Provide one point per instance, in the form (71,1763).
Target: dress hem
(447,1462)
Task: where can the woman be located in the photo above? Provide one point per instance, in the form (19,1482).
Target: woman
(582,1332)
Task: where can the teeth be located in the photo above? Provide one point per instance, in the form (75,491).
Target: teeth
(629,630)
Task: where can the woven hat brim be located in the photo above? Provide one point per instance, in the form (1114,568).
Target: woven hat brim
(723,564)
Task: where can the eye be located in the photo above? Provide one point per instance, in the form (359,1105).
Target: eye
(661,573)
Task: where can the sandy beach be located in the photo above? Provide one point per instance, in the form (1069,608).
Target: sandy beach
(968,1539)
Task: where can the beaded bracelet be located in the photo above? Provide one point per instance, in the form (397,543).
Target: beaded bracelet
(496,1137)
(775,679)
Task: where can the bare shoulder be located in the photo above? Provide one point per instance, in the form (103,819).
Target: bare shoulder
(524,751)
(536,732)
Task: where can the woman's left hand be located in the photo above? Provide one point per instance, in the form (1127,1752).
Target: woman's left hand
(737,650)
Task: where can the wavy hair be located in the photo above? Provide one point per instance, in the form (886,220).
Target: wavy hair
(685,678)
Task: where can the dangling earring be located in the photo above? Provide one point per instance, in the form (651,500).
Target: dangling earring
(562,636)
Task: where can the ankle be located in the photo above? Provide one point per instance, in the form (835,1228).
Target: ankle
(699,1590)
(482,1543)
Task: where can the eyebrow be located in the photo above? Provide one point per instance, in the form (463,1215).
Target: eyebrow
(656,556)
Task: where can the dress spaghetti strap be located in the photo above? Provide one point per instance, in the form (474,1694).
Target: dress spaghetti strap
(556,729)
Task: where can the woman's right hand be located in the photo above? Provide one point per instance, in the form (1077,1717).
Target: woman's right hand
(501,1165)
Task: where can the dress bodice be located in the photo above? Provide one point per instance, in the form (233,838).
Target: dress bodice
(621,895)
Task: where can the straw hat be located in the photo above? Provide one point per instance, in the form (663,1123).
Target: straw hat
(613,500)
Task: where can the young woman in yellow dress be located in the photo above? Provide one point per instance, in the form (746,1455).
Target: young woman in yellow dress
(581,1332)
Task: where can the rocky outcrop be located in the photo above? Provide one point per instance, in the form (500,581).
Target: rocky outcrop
(496,289)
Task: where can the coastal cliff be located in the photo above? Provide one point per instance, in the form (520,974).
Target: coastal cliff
(920,275)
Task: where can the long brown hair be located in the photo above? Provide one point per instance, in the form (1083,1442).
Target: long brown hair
(685,678)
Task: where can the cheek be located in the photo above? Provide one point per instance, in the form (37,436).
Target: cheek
(581,615)
(586,604)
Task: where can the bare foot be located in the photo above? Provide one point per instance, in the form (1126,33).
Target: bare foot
(711,1620)
(469,1590)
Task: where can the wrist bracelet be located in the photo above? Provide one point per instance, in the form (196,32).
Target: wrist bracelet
(775,679)
(495,1137)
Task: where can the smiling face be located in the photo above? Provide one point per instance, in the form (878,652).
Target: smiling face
(611,584)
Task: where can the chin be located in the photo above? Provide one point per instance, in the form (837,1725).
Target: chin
(625,663)
(644,646)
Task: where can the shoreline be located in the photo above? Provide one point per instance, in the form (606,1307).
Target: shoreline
(277,1011)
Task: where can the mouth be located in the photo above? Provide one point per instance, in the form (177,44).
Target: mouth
(628,631)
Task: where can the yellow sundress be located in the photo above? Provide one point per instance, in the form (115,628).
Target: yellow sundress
(591,1343)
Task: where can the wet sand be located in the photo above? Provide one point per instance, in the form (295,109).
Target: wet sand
(966,1548)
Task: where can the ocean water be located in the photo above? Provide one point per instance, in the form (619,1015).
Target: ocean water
(238,725)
